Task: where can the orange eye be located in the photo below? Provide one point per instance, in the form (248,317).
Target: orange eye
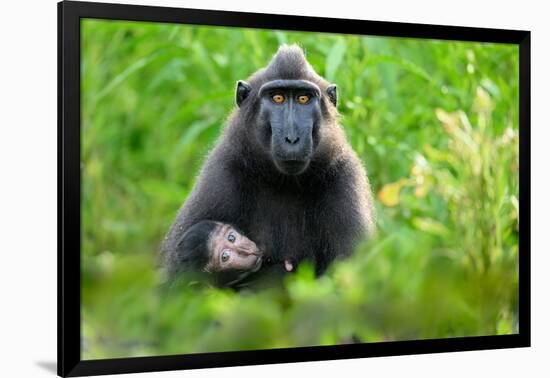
(278,98)
(303,99)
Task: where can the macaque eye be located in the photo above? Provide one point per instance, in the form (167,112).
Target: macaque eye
(231,238)
(278,98)
(303,99)
(225,255)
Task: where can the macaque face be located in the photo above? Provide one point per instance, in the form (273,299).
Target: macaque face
(230,250)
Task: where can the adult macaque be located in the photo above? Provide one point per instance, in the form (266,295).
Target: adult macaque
(282,172)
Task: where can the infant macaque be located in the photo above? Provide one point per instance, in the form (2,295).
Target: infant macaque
(222,252)
(219,250)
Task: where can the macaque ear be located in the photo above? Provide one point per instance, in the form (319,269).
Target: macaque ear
(332,94)
(243,89)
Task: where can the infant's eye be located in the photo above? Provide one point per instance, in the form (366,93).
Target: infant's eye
(231,238)
(278,98)
(303,99)
(225,255)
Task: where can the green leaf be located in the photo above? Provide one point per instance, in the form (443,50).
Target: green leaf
(334,59)
(431,226)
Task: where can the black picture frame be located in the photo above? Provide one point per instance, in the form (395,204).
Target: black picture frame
(69,325)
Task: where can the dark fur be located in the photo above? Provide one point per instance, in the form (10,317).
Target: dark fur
(318,215)
(193,246)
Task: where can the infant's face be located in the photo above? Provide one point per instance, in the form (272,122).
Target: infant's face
(230,250)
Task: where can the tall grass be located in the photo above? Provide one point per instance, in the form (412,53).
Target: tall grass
(435,123)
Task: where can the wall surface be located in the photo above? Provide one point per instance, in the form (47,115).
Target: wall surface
(28,158)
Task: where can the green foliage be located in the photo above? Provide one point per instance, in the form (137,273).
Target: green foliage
(435,122)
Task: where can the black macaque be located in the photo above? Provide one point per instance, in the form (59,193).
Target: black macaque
(282,173)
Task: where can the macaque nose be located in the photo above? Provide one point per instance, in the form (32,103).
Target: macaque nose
(292,139)
(249,250)
(255,252)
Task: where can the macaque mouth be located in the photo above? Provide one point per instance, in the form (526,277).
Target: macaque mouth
(258,264)
(294,161)
(292,157)
(292,166)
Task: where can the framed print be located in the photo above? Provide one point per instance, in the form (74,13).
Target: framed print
(240,188)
